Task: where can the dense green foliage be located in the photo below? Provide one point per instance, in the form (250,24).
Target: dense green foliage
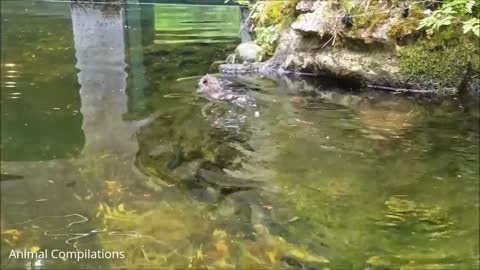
(454,12)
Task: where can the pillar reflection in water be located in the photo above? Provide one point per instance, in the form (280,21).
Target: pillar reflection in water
(110,143)
(136,78)
(100,51)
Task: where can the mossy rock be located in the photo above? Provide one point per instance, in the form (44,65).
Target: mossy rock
(404,27)
(437,66)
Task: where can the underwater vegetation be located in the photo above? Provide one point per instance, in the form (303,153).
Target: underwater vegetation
(318,175)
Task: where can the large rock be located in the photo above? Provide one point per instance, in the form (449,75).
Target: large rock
(378,33)
(369,67)
(383,49)
(324,18)
(321,21)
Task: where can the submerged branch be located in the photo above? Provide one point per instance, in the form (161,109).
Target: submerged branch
(404,90)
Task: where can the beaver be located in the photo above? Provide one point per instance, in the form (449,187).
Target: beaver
(213,89)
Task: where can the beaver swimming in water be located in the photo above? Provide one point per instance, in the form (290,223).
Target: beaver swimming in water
(210,87)
(213,89)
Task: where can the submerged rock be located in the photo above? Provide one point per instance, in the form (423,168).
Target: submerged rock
(224,180)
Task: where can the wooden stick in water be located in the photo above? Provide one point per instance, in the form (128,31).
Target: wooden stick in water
(405,90)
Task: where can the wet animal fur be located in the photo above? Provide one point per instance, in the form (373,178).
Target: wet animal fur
(210,87)
(213,89)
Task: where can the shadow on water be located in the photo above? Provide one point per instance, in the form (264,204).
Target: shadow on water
(105,145)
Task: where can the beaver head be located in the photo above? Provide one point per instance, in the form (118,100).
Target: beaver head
(210,86)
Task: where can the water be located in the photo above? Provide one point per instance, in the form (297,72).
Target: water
(106,146)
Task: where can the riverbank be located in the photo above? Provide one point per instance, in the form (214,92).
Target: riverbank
(375,44)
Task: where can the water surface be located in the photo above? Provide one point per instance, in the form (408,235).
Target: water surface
(105,145)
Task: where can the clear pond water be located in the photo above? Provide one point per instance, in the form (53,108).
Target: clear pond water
(106,146)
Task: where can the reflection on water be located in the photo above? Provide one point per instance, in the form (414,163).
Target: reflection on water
(33,127)
(105,145)
(192,24)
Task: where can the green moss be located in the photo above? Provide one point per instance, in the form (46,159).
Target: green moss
(436,63)
(375,21)
(476,62)
(367,21)
(269,13)
(404,27)
(371,20)
(278,13)
(270,18)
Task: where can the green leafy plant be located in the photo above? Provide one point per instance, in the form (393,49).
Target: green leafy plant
(453,12)
(472,25)
(266,37)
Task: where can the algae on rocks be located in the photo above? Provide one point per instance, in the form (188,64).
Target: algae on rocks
(382,46)
(267,20)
